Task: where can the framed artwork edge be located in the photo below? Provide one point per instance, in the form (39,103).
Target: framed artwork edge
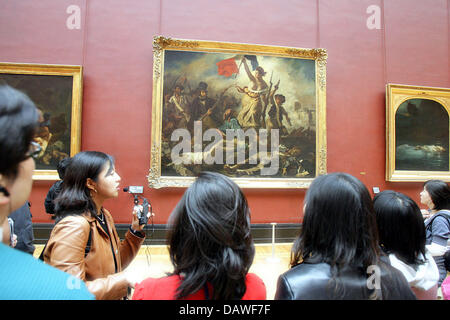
(438,94)
(161,43)
(76,72)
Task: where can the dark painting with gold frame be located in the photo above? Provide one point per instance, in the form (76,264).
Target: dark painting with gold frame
(255,113)
(417,133)
(56,91)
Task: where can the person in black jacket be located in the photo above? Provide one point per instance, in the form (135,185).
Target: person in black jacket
(23,228)
(55,189)
(337,255)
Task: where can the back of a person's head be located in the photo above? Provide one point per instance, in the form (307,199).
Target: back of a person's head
(61,167)
(74,197)
(18,124)
(400,226)
(209,238)
(339,225)
(439,192)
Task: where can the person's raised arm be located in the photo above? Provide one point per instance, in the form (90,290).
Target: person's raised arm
(247,69)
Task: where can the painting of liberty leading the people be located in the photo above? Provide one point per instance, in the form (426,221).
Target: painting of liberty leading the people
(250,104)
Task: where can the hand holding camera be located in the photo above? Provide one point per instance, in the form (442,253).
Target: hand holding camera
(141,212)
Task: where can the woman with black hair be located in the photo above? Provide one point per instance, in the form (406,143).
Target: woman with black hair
(210,246)
(436,196)
(84,241)
(402,237)
(337,255)
(23,277)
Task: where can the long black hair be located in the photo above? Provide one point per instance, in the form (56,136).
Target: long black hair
(339,226)
(400,226)
(209,238)
(75,197)
(439,192)
(18,125)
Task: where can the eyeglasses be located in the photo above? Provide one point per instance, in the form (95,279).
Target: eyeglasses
(35,149)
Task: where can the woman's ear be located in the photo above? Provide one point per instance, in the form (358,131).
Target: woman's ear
(91,184)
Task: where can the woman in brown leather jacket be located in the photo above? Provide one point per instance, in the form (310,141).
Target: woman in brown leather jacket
(84,241)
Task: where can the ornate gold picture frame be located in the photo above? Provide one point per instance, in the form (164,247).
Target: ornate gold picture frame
(56,91)
(255,113)
(417,133)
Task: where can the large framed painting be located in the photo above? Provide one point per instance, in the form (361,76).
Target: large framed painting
(417,133)
(254,113)
(56,91)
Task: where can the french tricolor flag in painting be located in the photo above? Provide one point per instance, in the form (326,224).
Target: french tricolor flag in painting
(228,67)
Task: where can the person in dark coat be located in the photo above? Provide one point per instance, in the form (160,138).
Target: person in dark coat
(23,228)
(202,108)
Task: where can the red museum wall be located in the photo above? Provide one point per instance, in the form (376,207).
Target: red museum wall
(114,46)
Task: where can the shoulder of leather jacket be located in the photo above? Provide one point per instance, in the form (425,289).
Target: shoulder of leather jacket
(315,281)
(75,221)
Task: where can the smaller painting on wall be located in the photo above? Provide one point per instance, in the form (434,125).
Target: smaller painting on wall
(56,91)
(417,133)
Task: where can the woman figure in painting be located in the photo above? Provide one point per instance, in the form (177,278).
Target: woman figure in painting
(84,241)
(210,246)
(253,99)
(337,255)
(436,196)
(402,237)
